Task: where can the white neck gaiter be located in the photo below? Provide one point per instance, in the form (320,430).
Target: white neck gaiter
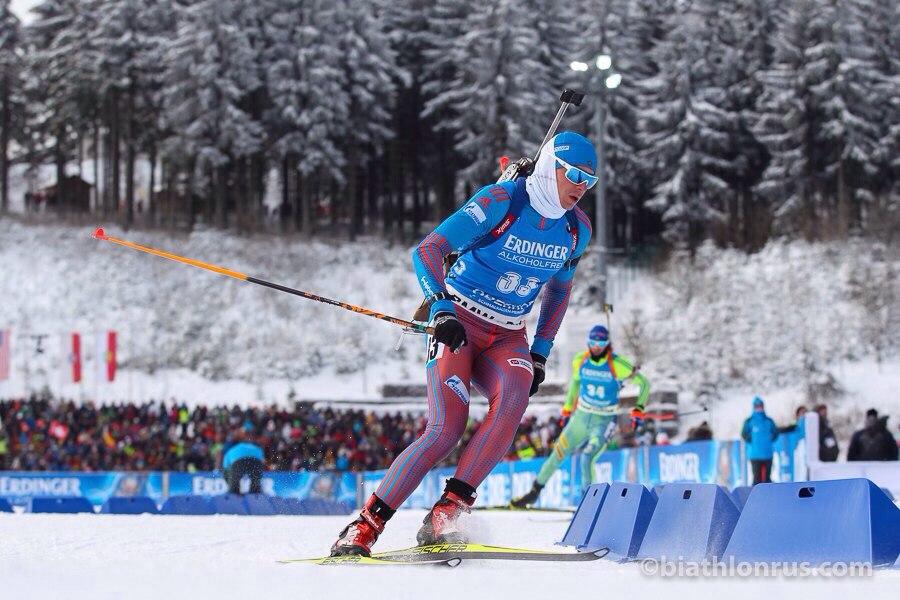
(541,185)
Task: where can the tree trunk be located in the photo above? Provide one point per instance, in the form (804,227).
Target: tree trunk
(352,193)
(116,135)
(97,207)
(5,120)
(151,196)
(129,159)
(221,197)
(61,196)
(305,206)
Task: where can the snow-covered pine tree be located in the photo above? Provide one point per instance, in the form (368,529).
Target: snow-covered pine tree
(798,120)
(60,82)
(417,157)
(497,85)
(446,22)
(369,68)
(726,71)
(211,67)
(128,43)
(869,82)
(621,29)
(305,115)
(681,130)
(11,101)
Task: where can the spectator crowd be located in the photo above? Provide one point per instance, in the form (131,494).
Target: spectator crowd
(41,433)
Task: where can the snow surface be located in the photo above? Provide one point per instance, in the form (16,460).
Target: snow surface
(100,557)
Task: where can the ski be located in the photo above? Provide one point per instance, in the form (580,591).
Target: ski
(510,507)
(370,560)
(481,552)
(453,554)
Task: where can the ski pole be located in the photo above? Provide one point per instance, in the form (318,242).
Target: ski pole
(281,288)
(524,166)
(673,415)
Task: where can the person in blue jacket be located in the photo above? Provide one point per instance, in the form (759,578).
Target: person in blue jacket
(243,458)
(514,239)
(760,432)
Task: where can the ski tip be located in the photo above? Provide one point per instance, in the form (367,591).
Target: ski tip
(598,552)
(99,234)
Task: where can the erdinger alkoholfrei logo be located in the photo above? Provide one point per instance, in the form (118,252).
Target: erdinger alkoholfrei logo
(520,246)
(537,255)
(456,384)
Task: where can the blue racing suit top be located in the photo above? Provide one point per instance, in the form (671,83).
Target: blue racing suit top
(509,252)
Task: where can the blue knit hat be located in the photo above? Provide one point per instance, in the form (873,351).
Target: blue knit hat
(575,149)
(598,335)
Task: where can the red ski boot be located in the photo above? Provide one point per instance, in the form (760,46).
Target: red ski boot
(359,536)
(440,525)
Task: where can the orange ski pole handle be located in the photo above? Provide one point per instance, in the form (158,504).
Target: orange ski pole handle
(416,327)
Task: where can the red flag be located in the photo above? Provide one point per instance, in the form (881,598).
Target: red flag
(4,354)
(110,355)
(75,358)
(58,430)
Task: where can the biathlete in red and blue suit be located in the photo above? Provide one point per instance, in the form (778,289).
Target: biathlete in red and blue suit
(514,238)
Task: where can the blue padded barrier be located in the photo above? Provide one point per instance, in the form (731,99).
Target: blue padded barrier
(187,505)
(889,494)
(60,505)
(5,506)
(320,506)
(740,495)
(228,504)
(584,519)
(623,520)
(134,505)
(259,505)
(287,506)
(692,521)
(845,520)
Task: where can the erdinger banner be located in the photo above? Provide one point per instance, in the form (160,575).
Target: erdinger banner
(18,487)
(723,463)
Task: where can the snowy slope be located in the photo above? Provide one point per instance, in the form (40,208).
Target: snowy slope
(790,321)
(101,557)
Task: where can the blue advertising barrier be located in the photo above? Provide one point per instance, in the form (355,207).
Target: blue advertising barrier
(259,505)
(846,520)
(228,504)
(18,487)
(60,505)
(582,524)
(187,505)
(719,462)
(623,520)
(135,505)
(692,521)
(5,506)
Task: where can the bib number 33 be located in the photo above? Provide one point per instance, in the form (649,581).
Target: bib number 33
(512,282)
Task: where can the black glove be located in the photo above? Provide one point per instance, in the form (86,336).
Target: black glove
(539,374)
(449,331)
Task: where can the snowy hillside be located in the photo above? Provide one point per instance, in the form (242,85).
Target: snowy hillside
(791,322)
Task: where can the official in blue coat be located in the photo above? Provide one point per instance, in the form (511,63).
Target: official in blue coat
(760,432)
(243,458)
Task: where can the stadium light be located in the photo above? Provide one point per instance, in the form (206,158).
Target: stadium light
(578,66)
